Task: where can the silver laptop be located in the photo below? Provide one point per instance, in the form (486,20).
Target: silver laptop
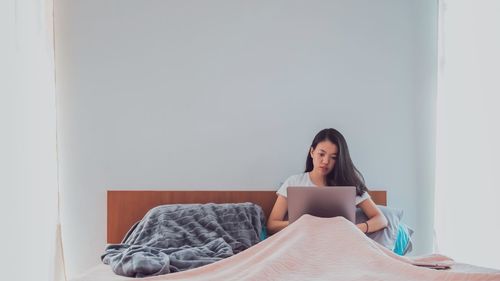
(325,202)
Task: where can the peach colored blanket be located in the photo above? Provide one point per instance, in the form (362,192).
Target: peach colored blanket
(322,249)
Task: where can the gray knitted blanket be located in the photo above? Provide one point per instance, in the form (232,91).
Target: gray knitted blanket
(172,238)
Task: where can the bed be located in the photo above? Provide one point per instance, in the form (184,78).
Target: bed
(304,250)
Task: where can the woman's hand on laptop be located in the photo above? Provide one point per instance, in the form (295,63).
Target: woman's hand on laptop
(276,220)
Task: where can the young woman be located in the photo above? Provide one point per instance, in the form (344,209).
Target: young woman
(328,164)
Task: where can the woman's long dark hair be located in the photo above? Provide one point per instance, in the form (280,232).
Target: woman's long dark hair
(344,172)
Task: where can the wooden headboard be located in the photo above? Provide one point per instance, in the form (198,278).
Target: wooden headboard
(126,207)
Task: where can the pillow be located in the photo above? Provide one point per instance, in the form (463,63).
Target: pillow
(409,247)
(386,236)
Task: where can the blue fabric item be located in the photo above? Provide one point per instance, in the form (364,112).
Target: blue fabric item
(402,239)
(263,233)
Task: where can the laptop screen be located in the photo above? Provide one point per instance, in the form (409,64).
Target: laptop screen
(326,202)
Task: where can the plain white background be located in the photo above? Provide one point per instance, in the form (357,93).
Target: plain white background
(28,158)
(468,132)
(229,94)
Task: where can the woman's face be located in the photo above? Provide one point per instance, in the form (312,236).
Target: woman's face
(324,157)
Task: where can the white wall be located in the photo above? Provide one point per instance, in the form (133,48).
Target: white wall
(229,94)
(28,159)
(469,132)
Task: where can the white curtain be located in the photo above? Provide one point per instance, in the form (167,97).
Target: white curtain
(467,198)
(28,154)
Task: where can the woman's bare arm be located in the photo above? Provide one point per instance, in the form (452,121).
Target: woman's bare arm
(275,222)
(376,219)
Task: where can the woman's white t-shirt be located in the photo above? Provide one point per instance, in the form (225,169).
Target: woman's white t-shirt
(304,180)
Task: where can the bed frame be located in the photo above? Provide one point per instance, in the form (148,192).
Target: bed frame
(126,207)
